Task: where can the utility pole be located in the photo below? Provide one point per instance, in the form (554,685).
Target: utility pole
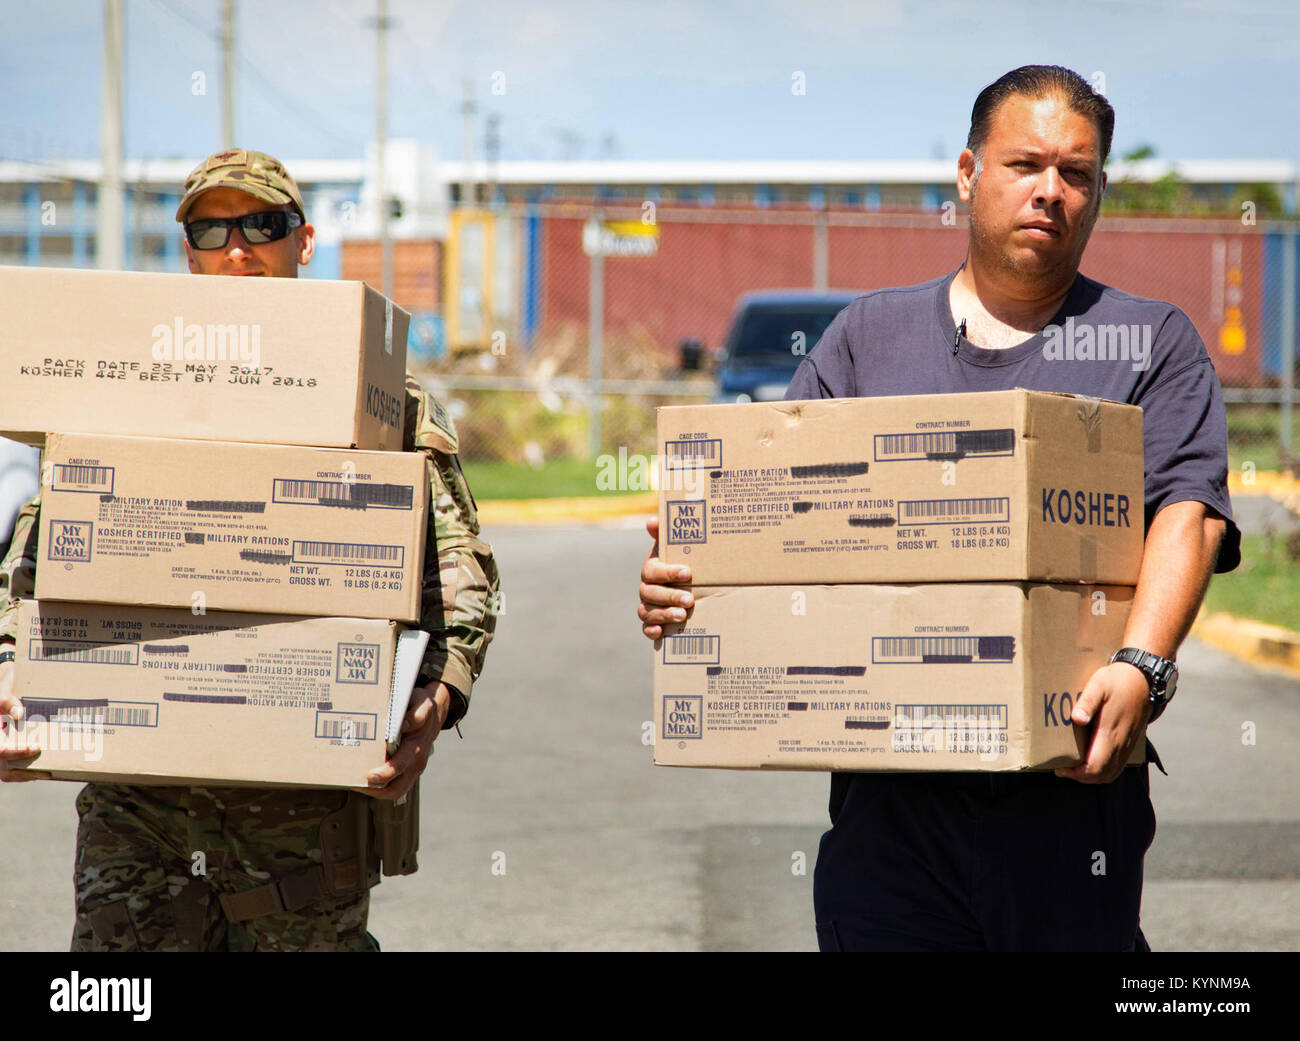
(228,73)
(1288,341)
(595,332)
(108,205)
(382,24)
(467,110)
(491,154)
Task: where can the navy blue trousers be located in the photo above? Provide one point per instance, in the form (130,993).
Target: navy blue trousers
(983,862)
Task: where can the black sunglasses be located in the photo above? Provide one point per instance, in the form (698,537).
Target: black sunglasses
(257,228)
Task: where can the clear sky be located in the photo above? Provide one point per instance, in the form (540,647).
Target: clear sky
(660,79)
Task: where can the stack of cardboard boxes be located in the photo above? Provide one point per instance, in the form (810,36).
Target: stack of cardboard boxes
(231,539)
(904,583)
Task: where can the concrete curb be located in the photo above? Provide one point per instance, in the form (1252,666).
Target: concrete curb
(1281,486)
(1255,642)
(589,510)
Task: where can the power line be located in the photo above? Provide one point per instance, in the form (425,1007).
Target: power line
(135,187)
(189,19)
(270,90)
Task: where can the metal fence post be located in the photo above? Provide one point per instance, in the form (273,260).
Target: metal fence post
(821,262)
(595,338)
(1288,339)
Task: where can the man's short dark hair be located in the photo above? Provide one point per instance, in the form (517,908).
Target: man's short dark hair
(1041,81)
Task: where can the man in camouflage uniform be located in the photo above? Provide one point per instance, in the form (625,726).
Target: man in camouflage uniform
(161,868)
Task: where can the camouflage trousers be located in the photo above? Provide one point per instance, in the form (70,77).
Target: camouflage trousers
(152,864)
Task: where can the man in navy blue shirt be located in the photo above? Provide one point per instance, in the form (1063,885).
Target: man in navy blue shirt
(990,861)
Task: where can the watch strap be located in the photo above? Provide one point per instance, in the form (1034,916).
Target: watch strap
(1157,670)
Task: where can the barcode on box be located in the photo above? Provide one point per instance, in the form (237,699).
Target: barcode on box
(351,494)
(954,511)
(947,444)
(121,714)
(692,455)
(929,650)
(106,713)
(84,652)
(68,478)
(347,553)
(957,729)
(348,727)
(692,650)
(969,717)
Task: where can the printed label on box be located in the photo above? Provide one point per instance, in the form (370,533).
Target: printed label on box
(961,729)
(692,650)
(693,455)
(99,711)
(347,553)
(83,652)
(343,494)
(945,445)
(70,478)
(931,650)
(346,727)
(954,511)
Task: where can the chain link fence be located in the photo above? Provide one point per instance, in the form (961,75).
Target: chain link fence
(566,322)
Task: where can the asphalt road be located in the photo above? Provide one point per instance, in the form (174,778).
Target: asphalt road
(548,828)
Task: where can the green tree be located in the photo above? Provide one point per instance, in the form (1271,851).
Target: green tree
(1165,195)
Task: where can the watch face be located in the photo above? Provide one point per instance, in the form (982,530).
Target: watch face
(1172,685)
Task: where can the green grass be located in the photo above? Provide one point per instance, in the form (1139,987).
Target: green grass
(1266,585)
(557,479)
(1253,436)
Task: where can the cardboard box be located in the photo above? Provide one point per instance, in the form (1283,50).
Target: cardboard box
(167,697)
(873,677)
(232,527)
(275,360)
(1004,486)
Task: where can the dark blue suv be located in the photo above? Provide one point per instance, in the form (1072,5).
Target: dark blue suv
(771,333)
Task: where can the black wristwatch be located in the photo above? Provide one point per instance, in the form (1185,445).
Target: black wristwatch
(1161,674)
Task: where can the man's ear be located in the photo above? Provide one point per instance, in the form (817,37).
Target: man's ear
(189,255)
(306,243)
(965,174)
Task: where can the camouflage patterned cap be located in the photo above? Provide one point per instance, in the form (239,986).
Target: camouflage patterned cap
(260,175)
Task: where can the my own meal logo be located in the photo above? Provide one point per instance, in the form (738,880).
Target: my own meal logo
(684,716)
(357,663)
(70,540)
(686,523)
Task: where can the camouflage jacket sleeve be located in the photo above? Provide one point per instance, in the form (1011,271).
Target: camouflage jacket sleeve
(18,568)
(461,587)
